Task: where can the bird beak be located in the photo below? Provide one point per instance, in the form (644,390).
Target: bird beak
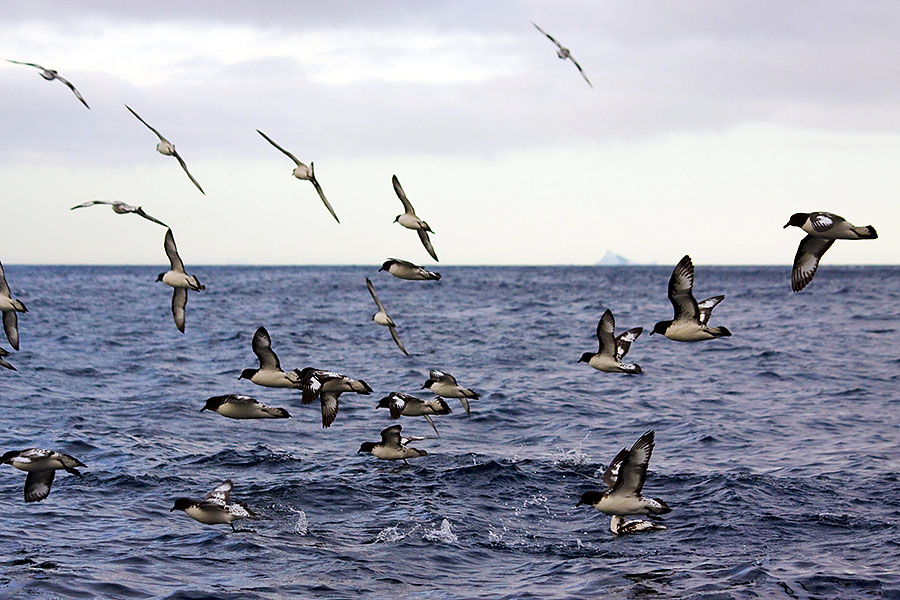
(202,409)
(172,509)
(786,225)
(652,332)
(579,504)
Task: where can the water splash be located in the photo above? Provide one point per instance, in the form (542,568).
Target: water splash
(389,535)
(301,525)
(443,535)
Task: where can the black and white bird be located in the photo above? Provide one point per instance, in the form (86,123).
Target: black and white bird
(214,509)
(3,354)
(120,208)
(167,148)
(301,171)
(405,405)
(41,466)
(328,386)
(392,446)
(691,317)
(269,373)
(235,406)
(10,306)
(404,269)
(564,53)
(444,384)
(382,318)
(822,229)
(624,495)
(177,278)
(409,219)
(618,524)
(612,350)
(50,75)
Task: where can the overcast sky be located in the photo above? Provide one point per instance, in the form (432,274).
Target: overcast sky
(708,124)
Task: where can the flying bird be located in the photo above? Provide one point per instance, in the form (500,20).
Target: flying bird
(404,269)
(405,405)
(3,354)
(618,524)
(10,306)
(41,466)
(328,386)
(269,373)
(301,171)
(624,496)
(409,219)
(120,208)
(167,148)
(392,446)
(214,509)
(612,349)
(382,318)
(564,53)
(691,317)
(444,384)
(178,279)
(50,75)
(235,406)
(822,229)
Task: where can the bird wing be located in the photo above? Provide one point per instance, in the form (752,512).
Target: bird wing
(550,37)
(322,196)
(391,436)
(158,134)
(706,307)
(271,141)
(4,287)
(74,91)
(681,284)
(221,494)
(396,405)
(806,261)
(633,471)
(11,327)
(442,376)
(90,203)
(396,337)
(5,364)
(37,485)
(329,407)
(623,342)
(184,166)
(580,70)
(140,211)
(465,403)
(262,348)
(36,66)
(426,241)
(375,296)
(179,302)
(612,471)
(407,205)
(823,221)
(431,422)
(172,252)
(606,328)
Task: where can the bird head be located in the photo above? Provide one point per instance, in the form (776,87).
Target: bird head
(182,504)
(586,357)
(590,498)
(247,374)
(366,448)
(797,220)
(661,327)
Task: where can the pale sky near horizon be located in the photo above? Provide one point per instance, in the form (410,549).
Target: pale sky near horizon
(709,123)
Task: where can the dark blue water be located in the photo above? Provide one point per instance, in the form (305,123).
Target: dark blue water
(777,448)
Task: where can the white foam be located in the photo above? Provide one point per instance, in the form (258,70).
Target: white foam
(444,535)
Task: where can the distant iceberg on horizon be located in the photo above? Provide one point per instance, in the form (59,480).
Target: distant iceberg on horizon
(611,258)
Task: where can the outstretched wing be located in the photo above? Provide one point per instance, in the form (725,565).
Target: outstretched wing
(397,341)
(681,285)
(580,70)
(329,407)
(271,141)
(262,348)
(823,221)
(172,252)
(90,203)
(611,474)
(4,287)
(179,302)
(806,261)
(407,205)
(322,196)
(426,241)
(706,307)
(221,494)
(442,376)
(391,436)
(375,296)
(550,37)
(633,471)
(37,485)
(623,342)
(74,91)
(140,211)
(606,328)
(18,62)
(184,166)
(158,134)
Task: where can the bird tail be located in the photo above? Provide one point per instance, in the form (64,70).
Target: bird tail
(470,393)
(631,369)
(720,331)
(658,507)
(866,233)
(360,387)
(19,306)
(279,413)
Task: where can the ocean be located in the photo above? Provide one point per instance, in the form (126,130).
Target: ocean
(776,448)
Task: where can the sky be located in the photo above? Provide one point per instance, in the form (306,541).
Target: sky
(708,124)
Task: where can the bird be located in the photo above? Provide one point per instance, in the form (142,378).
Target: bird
(564,53)
(444,384)
(120,208)
(41,466)
(50,75)
(612,349)
(301,171)
(624,495)
(691,317)
(235,406)
(214,509)
(822,229)
(328,386)
(4,353)
(10,306)
(382,318)
(618,525)
(401,404)
(178,279)
(404,269)
(409,219)
(391,446)
(167,148)
(269,373)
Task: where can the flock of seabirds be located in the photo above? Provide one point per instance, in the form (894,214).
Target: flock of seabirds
(625,475)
